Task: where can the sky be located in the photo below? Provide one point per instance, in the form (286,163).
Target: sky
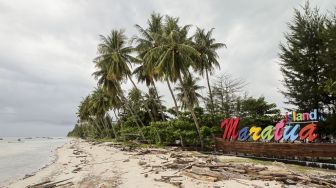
(47,48)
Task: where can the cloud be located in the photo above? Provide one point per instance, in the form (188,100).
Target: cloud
(47,48)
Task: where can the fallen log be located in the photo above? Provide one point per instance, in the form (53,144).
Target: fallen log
(200,177)
(205,172)
(38,184)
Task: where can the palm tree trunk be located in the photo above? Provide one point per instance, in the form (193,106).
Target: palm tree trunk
(101,119)
(210,93)
(84,129)
(113,129)
(158,98)
(132,113)
(172,94)
(121,125)
(150,110)
(197,126)
(145,104)
(105,120)
(88,129)
(136,122)
(191,109)
(95,126)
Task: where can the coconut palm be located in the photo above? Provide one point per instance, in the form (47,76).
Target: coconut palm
(175,56)
(101,102)
(175,53)
(206,45)
(188,92)
(143,75)
(148,39)
(189,98)
(113,64)
(116,56)
(84,113)
(83,109)
(154,103)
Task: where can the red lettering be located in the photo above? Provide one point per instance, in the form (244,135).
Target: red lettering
(308,131)
(230,126)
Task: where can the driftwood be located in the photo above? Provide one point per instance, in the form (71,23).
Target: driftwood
(49,184)
(168,179)
(220,171)
(200,177)
(209,168)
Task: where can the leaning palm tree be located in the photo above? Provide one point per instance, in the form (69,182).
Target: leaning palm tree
(102,101)
(84,113)
(143,75)
(206,45)
(113,65)
(189,98)
(148,39)
(83,109)
(176,55)
(87,114)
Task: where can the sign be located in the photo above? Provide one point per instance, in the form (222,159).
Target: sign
(288,129)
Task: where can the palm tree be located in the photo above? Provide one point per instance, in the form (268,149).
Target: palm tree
(115,55)
(143,75)
(101,102)
(175,55)
(87,114)
(150,38)
(154,103)
(113,65)
(206,45)
(83,109)
(188,96)
(83,113)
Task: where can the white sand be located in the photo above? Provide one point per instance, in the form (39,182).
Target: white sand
(105,166)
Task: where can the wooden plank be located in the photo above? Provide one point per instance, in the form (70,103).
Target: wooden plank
(278,149)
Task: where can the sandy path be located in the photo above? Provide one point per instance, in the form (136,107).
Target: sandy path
(81,164)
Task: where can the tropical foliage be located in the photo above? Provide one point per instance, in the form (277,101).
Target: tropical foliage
(308,63)
(166,51)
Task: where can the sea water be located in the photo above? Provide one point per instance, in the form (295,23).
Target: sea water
(22,156)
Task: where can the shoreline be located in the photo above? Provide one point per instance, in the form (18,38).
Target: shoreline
(51,158)
(79,163)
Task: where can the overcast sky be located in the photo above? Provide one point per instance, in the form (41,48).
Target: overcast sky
(47,48)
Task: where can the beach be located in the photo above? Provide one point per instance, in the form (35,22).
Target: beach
(22,156)
(90,164)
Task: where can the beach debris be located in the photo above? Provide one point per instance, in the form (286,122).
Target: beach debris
(210,169)
(76,170)
(142,163)
(50,184)
(171,180)
(143,152)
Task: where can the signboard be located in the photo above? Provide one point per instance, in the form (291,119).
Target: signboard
(289,129)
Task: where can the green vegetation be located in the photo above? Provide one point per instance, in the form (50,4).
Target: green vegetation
(308,64)
(166,51)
